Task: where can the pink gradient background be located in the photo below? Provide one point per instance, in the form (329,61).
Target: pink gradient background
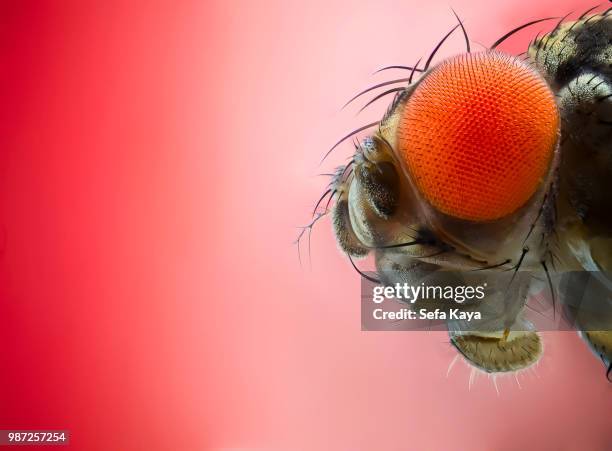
(156,160)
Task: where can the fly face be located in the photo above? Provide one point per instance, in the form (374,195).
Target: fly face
(467,172)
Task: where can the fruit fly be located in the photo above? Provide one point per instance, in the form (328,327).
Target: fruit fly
(491,164)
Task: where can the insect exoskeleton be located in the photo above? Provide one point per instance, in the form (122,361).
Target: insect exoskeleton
(494,168)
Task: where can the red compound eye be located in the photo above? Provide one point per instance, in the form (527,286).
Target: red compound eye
(478,134)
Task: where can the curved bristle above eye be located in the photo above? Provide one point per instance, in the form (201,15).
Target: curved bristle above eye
(465,35)
(398,67)
(517,29)
(435,50)
(478,134)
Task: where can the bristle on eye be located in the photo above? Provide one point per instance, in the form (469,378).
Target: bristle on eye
(478,134)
